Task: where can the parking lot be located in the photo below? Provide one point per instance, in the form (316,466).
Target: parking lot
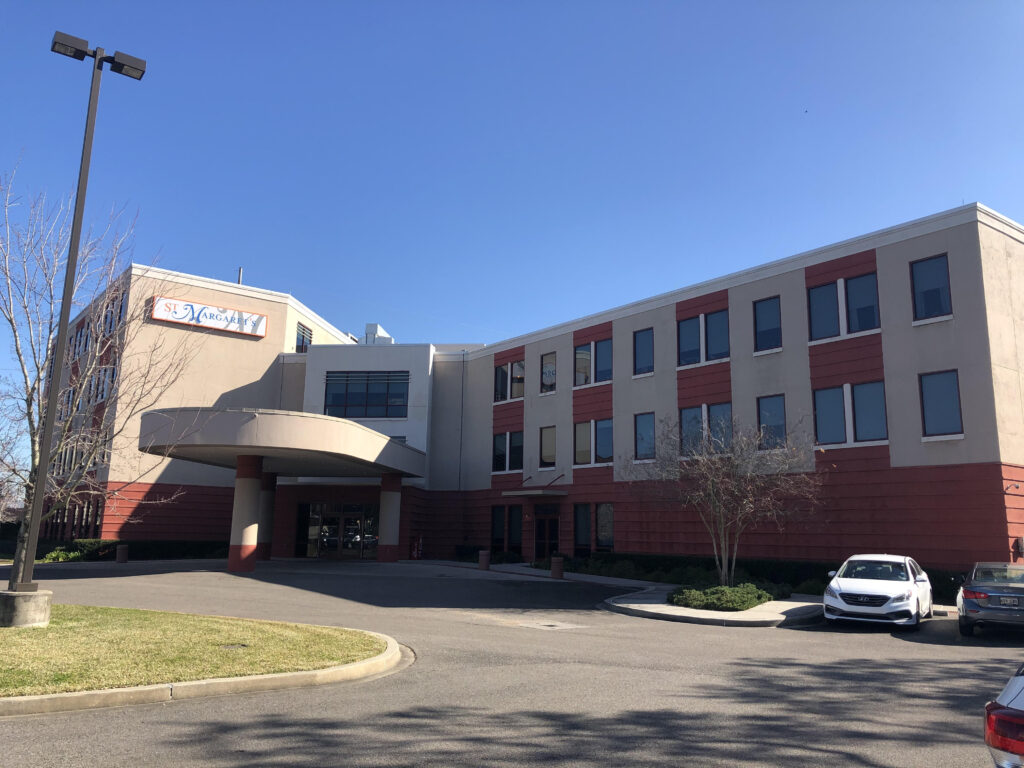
(513,671)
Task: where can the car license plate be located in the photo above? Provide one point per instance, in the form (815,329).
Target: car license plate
(1008,601)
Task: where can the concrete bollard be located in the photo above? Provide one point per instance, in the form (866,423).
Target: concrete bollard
(485,560)
(122,553)
(557,567)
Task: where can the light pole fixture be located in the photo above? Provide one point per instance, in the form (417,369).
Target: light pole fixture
(28,535)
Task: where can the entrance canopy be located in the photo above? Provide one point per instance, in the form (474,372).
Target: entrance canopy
(291,443)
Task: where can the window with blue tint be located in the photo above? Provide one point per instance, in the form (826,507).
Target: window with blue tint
(691,430)
(500,383)
(930,279)
(517,381)
(862,303)
(515,450)
(689,341)
(823,311)
(603,448)
(547,372)
(499,455)
(643,351)
(367,394)
(720,425)
(829,416)
(643,436)
(716,335)
(603,360)
(940,403)
(869,412)
(767,324)
(771,419)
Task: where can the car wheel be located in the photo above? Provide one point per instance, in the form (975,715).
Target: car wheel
(917,621)
(931,607)
(966,628)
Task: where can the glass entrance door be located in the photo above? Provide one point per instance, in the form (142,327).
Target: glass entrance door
(359,531)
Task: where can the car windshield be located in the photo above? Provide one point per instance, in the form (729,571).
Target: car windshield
(998,574)
(881,570)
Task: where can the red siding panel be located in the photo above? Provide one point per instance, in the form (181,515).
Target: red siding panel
(848,266)
(509,356)
(704,384)
(508,417)
(711,302)
(593,333)
(592,403)
(846,361)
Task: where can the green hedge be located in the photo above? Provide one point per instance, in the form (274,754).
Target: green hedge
(738,598)
(106,549)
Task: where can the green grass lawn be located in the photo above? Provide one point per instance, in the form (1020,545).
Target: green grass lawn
(87,648)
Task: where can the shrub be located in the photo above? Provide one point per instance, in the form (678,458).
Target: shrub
(61,555)
(810,587)
(739,598)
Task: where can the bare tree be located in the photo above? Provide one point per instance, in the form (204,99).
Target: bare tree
(734,478)
(108,380)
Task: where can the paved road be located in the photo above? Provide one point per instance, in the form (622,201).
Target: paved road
(512,671)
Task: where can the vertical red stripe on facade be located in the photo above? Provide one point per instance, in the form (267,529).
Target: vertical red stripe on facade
(711,302)
(846,361)
(592,403)
(848,266)
(508,417)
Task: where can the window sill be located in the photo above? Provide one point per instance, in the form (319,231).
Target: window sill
(591,466)
(592,385)
(861,444)
(643,375)
(763,352)
(374,418)
(688,366)
(507,402)
(547,394)
(844,337)
(942,438)
(507,472)
(930,320)
(546,469)
(644,461)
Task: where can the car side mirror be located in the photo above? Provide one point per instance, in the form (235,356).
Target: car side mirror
(831,574)
(922,579)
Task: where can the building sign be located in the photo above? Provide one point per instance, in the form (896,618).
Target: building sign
(203,315)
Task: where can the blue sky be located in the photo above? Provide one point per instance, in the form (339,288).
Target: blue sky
(467,171)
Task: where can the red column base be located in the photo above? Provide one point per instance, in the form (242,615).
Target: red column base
(388,553)
(263,550)
(241,558)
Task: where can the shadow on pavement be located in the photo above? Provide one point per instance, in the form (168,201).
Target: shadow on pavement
(778,713)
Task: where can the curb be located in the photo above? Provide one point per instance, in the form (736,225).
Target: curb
(196,689)
(801,615)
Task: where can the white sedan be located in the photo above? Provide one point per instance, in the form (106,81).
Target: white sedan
(884,589)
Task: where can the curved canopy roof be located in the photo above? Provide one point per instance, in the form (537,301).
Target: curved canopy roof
(292,443)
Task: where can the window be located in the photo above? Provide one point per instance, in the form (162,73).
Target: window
(506,386)
(703,338)
(940,404)
(547,372)
(771,419)
(691,430)
(643,436)
(703,426)
(862,303)
(592,442)
(515,529)
(547,447)
(581,529)
(605,525)
(497,529)
(581,443)
(510,539)
(303,338)
(716,335)
(767,324)
(367,394)
(829,416)
(823,311)
(869,412)
(507,452)
(643,351)
(858,410)
(930,281)
(593,363)
(849,305)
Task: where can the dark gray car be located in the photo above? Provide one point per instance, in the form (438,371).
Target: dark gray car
(992,594)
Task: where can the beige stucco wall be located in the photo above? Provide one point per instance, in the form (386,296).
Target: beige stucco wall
(445,451)
(1002,262)
(224,369)
(960,343)
(478,412)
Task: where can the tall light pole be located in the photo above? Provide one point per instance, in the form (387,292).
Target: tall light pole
(28,535)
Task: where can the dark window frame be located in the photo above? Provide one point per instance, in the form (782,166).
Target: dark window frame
(760,421)
(636,370)
(611,457)
(554,378)
(510,381)
(778,303)
(913,287)
(842,404)
(959,403)
(636,436)
(885,411)
(541,463)
(846,298)
(810,316)
(679,342)
(303,337)
(707,328)
(576,445)
(397,378)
